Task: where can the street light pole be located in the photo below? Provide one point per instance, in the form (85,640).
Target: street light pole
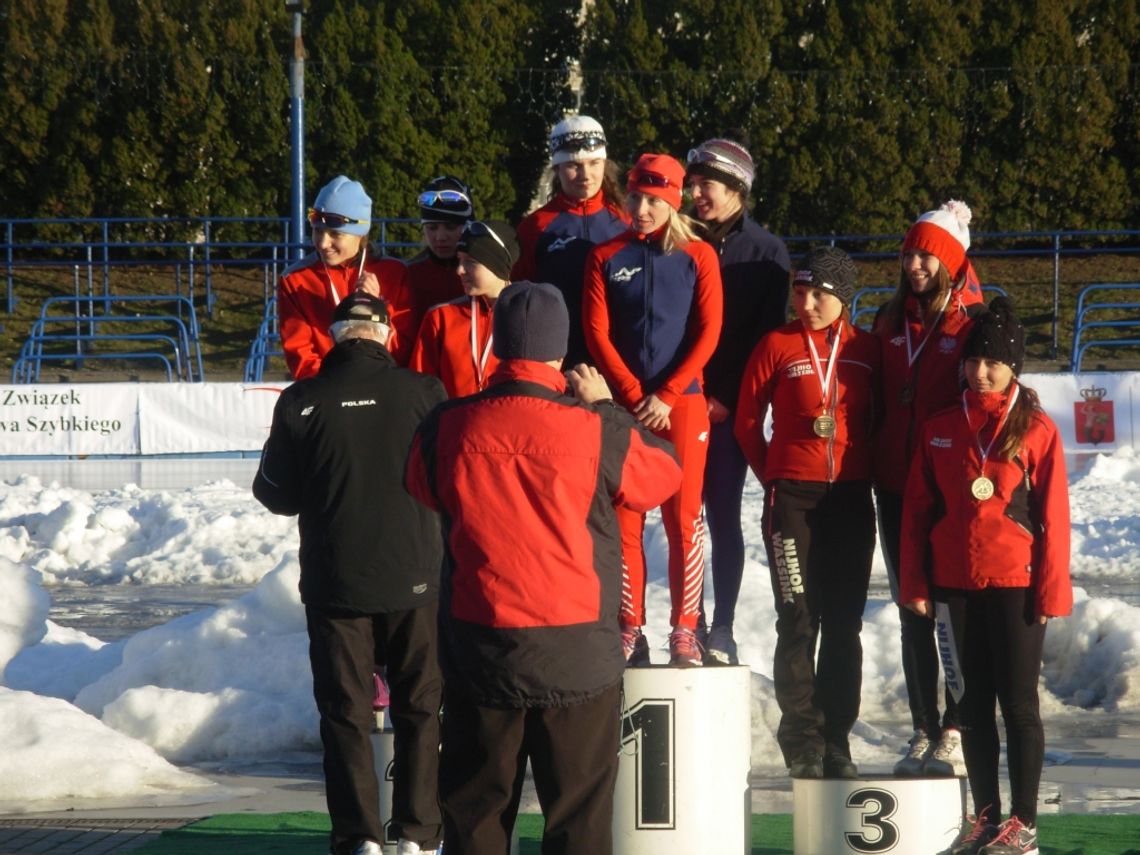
(297,131)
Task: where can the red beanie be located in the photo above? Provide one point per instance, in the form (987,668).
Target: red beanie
(945,234)
(657,175)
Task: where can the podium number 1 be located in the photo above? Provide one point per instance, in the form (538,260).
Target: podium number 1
(648,726)
(878,833)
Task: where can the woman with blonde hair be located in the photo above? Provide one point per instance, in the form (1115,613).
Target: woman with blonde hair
(652,310)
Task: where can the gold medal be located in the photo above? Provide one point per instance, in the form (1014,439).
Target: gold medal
(824,426)
(906,395)
(982,488)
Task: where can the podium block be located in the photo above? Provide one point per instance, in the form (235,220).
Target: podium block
(383,752)
(682,782)
(902,816)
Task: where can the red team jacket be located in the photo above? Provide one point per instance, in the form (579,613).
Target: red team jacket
(432,281)
(526,478)
(780,374)
(309,292)
(935,379)
(444,347)
(1017,538)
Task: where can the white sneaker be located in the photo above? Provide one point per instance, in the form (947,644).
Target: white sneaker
(410,847)
(367,847)
(947,759)
(919,750)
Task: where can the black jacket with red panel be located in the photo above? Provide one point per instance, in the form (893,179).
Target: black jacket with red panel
(525,479)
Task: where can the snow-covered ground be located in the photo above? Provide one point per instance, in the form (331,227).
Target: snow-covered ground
(82,719)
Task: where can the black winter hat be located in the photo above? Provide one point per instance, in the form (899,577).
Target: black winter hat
(829,269)
(445,199)
(531,322)
(361,306)
(493,244)
(997,334)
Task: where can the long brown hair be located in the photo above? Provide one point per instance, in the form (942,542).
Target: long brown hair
(612,190)
(1021,414)
(893,314)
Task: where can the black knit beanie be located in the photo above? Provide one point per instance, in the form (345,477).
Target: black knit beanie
(445,199)
(997,334)
(493,244)
(828,268)
(531,322)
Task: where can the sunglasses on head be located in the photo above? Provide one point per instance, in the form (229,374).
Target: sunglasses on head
(577,140)
(481,229)
(430,198)
(703,155)
(327,220)
(652,179)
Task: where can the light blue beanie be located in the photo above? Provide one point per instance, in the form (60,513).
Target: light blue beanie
(347,198)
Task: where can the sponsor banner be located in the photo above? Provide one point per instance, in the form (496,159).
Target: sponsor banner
(200,418)
(64,419)
(1095,412)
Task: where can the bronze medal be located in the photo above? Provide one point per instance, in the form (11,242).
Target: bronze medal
(982,488)
(824,426)
(906,395)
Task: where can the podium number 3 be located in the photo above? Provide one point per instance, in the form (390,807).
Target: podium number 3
(878,833)
(648,727)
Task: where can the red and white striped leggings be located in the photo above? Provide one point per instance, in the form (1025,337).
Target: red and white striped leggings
(681,516)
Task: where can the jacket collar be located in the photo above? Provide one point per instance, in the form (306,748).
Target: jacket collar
(528,371)
(580,206)
(353,349)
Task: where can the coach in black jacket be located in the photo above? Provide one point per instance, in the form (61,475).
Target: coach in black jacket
(370,566)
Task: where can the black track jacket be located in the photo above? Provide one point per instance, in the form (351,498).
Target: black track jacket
(335,456)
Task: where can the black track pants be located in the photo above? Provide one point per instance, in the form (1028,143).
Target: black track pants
(820,539)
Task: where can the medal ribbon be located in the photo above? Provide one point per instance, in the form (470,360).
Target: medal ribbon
(824,380)
(912,352)
(480,361)
(985,452)
(359,273)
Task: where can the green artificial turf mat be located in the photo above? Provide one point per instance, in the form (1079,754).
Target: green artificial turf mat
(307,834)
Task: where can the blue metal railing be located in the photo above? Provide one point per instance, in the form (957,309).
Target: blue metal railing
(95,245)
(1118,297)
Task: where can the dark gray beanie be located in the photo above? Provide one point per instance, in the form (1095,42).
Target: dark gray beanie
(997,334)
(531,322)
(492,243)
(828,268)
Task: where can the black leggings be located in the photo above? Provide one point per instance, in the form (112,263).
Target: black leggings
(919,651)
(999,644)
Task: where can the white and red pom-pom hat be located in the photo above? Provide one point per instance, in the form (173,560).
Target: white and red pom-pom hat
(945,234)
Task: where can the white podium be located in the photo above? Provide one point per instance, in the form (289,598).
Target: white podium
(383,752)
(902,816)
(682,783)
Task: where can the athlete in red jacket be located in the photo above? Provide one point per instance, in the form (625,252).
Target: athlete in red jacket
(922,330)
(818,375)
(445,208)
(310,290)
(985,551)
(455,342)
(652,309)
